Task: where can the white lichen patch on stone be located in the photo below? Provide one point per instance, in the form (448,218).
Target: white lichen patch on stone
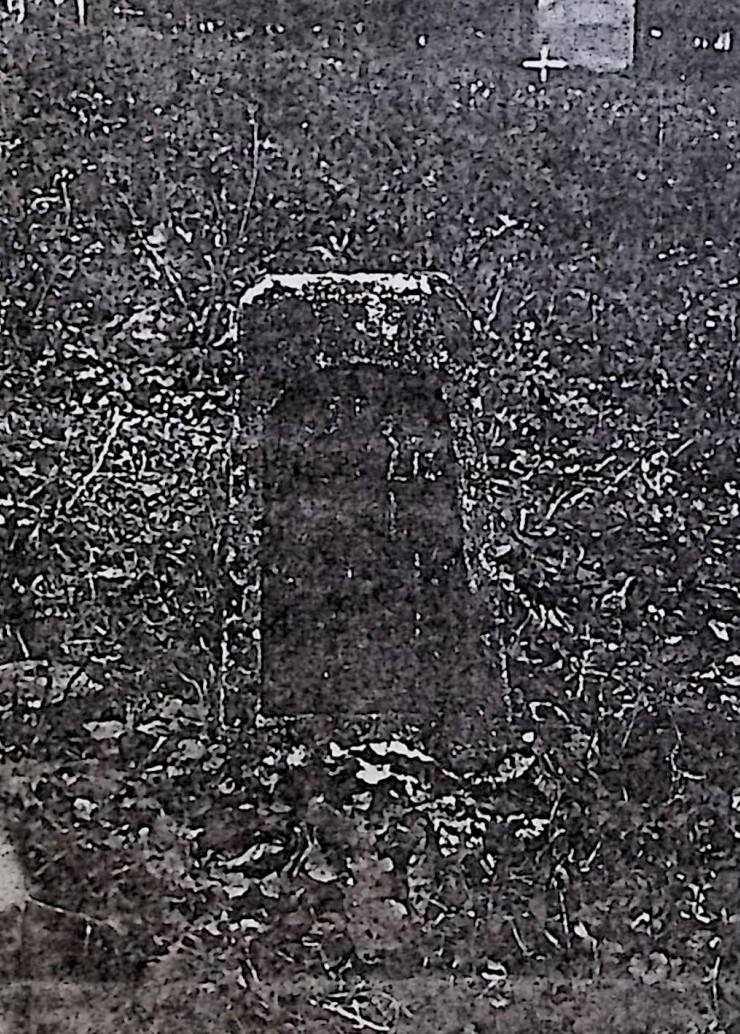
(311,285)
(401,320)
(380,309)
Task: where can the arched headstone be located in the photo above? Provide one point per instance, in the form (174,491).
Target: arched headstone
(365,606)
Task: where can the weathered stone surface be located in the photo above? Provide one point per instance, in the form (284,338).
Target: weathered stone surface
(293,322)
(594,34)
(364,587)
(365,602)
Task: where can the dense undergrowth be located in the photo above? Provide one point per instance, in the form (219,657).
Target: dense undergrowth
(148,178)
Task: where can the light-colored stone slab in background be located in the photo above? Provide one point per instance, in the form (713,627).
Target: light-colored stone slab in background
(595,34)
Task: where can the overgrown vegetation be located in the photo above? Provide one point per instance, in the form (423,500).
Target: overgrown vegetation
(148,178)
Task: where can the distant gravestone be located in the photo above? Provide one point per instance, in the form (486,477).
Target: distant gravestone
(597,35)
(365,604)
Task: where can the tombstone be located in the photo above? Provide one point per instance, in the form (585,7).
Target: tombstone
(365,604)
(597,35)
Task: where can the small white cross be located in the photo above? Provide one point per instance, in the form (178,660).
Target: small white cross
(544,63)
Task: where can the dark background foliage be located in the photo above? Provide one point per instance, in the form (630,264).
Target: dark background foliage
(151,172)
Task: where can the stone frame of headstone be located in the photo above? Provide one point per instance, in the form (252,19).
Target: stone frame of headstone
(294,323)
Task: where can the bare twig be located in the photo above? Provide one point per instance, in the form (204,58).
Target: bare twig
(583,666)
(494,307)
(49,282)
(712,979)
(518,937)
(564,916)
(23,644)
(115,424)
(554,506)
(112,924)
(246,214)
(200,689)
(639,706)
(360,1022)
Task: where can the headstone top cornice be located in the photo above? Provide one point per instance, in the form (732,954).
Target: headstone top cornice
(322,286)
(414,321)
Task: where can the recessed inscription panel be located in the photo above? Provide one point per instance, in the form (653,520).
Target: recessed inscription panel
(364,586)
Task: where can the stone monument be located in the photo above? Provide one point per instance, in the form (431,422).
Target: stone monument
(365,606)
